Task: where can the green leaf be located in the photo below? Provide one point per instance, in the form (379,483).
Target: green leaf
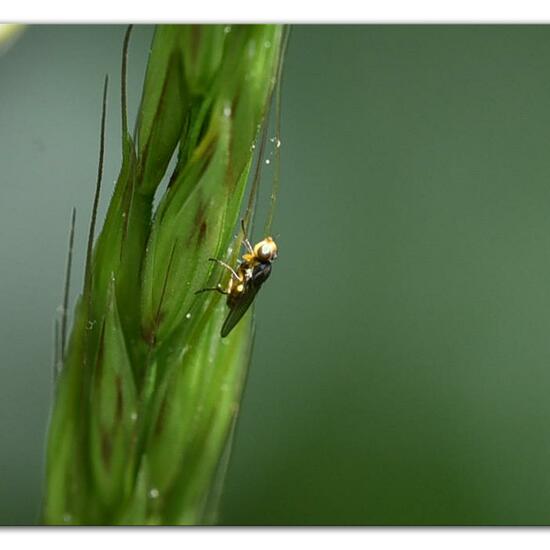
(113,414)
(164,105)
(195,409)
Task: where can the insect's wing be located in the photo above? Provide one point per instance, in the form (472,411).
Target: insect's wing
(238,310)
(259,277)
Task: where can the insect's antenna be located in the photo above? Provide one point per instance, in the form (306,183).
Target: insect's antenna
(88,272)
(277,167)
(254,191)
(123,83)
(253,196)
(66,288)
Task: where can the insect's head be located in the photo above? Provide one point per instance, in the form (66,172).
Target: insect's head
(266,250)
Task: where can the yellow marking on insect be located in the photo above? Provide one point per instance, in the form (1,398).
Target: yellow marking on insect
(246,279)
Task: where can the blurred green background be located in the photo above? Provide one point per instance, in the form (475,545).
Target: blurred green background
(401,372)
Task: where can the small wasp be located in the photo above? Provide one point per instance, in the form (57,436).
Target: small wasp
(246,280)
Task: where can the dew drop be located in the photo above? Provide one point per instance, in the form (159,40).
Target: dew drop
(227,29)
(278,144)
(267,161)
(154,493)
(227,111)
(267,44)
(188,316)
(133,416)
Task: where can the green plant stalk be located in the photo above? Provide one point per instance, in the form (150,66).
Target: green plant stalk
(148,392)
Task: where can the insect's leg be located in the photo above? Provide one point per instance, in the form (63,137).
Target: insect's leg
(228,267)
(216,289)
(246,242)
